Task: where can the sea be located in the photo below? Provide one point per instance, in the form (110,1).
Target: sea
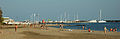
(92,26)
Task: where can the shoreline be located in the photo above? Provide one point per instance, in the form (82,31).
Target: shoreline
(48,25)
(54,33)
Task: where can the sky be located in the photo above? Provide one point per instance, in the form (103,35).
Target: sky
(56,9)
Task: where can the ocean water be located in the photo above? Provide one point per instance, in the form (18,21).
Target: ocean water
(92,26)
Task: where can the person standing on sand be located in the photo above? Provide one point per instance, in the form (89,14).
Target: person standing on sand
(105,30)
(16,28)
(115,29)
(83,27)
(60,26)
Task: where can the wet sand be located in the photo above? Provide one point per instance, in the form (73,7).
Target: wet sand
(54,33)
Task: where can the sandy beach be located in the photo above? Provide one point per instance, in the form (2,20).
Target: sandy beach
(53,33)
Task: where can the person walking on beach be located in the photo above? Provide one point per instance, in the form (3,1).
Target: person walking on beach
(31,25)
(61,27)
(105,30)
(44,25)
(16,28)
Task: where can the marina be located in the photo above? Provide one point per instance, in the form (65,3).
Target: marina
(59,19)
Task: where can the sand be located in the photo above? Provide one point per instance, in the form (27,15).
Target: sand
(53,33)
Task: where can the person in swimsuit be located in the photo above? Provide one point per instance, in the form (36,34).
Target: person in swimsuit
(83,27)
(105,30)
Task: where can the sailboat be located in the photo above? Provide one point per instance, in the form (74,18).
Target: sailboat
(77,18)
(93,21)
(101,21)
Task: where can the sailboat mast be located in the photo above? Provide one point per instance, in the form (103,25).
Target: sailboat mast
(68,17)
(61,18)
(77,16)
(34,17)
(65,17)
(74,17)
(100,15)
(38,17)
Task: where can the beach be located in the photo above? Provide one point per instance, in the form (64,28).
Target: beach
(53,33)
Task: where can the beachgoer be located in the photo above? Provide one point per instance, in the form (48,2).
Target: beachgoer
(89,30)
(105,30)
(111,30)
(41,27)
(61,27)
(115,29)
(83,27)
(43,21)
(30,25)
(16,28)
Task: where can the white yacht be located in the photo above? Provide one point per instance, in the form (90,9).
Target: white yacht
(101,21)
(98,21)
(93,21)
